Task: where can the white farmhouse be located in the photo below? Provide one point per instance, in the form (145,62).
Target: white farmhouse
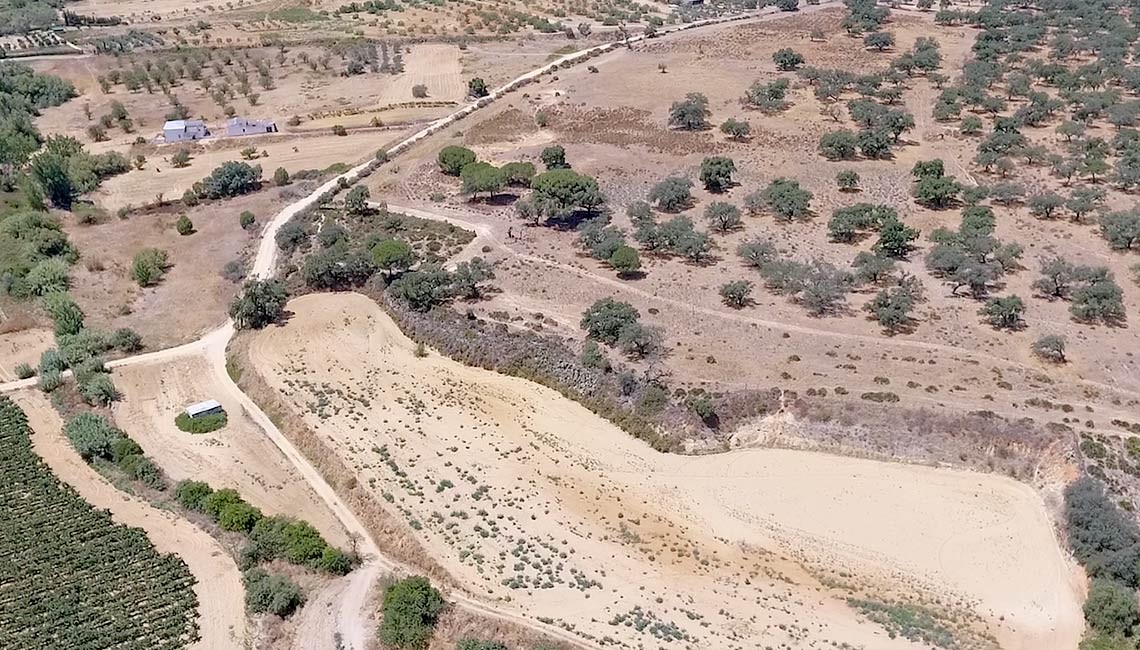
(242,126)
(184,130)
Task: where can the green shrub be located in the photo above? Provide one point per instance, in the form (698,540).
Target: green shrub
(270,593)
(410,611)
(184,226)
(25,371)
(124,447)
(202,423)
(51,360)
(246,220)
(193,494)
(126,339)
(1111,607)
(50,380)
(217,501)
(238,517)
(148,266)
(142,469)
(99,390)
(92,435)
(64,312)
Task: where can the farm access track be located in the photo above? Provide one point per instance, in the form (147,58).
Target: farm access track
(352,621)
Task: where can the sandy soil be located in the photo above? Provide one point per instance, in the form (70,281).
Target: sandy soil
(24,346)
(238,455)
(221,607)
(488,467)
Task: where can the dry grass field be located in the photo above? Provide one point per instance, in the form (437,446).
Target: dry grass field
(613,125)
(528,498)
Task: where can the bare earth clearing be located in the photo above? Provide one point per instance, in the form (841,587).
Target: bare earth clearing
(239,455)
(220,592)
(518,490)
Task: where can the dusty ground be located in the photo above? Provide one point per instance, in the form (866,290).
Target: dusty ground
(613,125)
(238,456)
(527,496)
(221,607)
(24,346)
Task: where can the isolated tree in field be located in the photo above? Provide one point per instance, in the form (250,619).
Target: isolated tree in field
(873,268)
(736,294)
(716,173)
(971,125)
(393,256)
(757,252)
(838,145)
(896,239)
(691,113)
(1050,348)
(1084,200)
(723,217)
(1057,277)
(1046,205)
(554,157)
(936,192)
(787,200)
(1004,312)
(452,159)
(736,129)
(260,303)
(606,318)
(180,159)
(280,177)
(479,177)
(356,200)
(561,192)
(787,59)
(640,341)
(879,40)
(847,180)
(1099,298)
(672,194)
(892,307)
(409,613)
(625,260)
(1121,229)
(477,87)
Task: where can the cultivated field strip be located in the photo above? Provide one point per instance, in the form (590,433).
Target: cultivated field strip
(73,578)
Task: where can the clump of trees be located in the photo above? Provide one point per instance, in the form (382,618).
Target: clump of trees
(260,303)
(228,180)
(97,441)
(1092,291)
(558,194)
(972,257)
(617,323)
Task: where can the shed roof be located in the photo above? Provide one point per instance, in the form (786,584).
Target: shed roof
(203,407)
(180,125)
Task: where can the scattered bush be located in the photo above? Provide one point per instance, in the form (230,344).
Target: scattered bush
(148,266)
(409,613)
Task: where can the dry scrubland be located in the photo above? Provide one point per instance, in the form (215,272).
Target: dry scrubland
(613,125)
(527,498)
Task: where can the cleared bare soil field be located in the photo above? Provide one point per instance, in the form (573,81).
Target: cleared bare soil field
(238,455)
(529,498)
(221,607)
